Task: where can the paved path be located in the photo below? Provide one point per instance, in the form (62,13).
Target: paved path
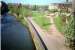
(53,41)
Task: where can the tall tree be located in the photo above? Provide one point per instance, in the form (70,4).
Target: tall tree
(70,28)
(67,0)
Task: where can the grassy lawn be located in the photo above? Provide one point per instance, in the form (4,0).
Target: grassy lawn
(58,23)
(41,20)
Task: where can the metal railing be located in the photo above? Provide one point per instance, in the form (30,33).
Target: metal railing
(43,46)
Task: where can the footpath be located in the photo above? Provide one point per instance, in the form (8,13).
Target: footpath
(53,40)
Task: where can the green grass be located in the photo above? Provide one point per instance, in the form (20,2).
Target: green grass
(58,22)
(41,20)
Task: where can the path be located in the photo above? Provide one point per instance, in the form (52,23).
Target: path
(53,41)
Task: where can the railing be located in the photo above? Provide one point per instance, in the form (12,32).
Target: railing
(34,31)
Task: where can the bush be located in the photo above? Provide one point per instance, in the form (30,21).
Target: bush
(41,20)
(53,10)
(69,32)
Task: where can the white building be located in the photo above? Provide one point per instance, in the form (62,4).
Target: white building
(53,6)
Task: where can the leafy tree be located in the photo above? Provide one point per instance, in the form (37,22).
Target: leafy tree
(70,33)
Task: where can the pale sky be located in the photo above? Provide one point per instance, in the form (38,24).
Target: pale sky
(38,2)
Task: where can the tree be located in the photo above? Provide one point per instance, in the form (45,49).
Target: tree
(35,7)
(67,0)
(70,29)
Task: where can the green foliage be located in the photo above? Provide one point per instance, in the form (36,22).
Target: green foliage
(37,14)
(69,31)
(42,21)
(20,11)
(58,22)
(35,7)
(25,12)
(53,10)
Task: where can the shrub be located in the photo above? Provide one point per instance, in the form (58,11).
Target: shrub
(69,31)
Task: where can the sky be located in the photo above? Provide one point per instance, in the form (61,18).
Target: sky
(37,2)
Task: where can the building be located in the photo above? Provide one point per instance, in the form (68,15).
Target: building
(66,6)
(53,6)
